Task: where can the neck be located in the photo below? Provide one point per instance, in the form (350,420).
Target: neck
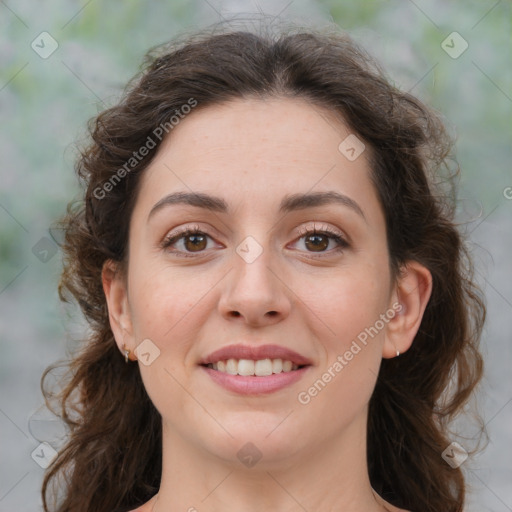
(330,476)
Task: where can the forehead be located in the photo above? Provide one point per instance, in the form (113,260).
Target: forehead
(257,149)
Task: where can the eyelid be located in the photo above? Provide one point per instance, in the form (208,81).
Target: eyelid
(333,233)
(308,229)
(193,226)
(342,241)
(182,231)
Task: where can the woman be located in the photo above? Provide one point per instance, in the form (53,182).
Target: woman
(262,231)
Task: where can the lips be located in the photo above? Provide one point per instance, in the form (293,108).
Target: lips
(255,353)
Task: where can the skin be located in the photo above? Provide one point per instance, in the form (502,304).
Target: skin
(252,153)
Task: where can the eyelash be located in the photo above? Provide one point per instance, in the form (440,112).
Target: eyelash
(175,237)
(334,235)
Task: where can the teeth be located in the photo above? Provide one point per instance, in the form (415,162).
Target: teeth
(248,367)
(245,367)
(231,367)
(262,367)
(277,365)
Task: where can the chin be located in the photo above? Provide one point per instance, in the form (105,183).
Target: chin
(257,435)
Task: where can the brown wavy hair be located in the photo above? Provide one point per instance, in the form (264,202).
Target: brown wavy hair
(111,460)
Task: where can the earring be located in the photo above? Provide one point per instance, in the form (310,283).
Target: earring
(126,353)
(397,352)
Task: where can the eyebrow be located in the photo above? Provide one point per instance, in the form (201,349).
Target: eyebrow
(289,203)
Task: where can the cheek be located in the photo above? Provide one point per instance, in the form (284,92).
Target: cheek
(167,310)
(354,353)
(161,298)
(343,384)
(348,304)
(335,398)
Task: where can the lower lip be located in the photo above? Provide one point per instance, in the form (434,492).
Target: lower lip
(252,385)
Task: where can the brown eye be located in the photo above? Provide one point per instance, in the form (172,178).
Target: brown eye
(317,242)
(187,241)
(324,242)
(195,242)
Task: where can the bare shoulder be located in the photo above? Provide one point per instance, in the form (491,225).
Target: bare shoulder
(388,506)
(392,508)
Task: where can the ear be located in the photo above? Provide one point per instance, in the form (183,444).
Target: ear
(409,300)
(114,286)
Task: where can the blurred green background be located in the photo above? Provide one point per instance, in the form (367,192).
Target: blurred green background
(46,100)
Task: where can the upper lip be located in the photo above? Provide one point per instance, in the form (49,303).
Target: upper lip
(255,353)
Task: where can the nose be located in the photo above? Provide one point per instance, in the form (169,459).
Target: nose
(255,292)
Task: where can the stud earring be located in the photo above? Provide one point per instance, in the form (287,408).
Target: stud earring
(397,352)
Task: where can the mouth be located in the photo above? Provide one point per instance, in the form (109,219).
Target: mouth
(255,369)
(258,368)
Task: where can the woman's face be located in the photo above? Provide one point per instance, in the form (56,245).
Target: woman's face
(253,278)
